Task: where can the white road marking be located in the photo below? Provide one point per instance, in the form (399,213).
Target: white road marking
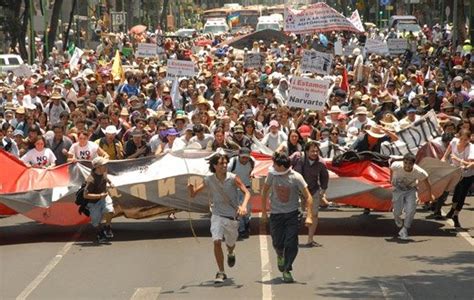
(50,266)
(147,293)
(463,234)
(265,262)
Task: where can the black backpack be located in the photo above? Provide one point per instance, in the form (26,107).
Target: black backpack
(81,201)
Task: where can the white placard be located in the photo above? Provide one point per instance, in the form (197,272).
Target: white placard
(338,48)
(253,60)
(23,71)
(348,49)
(76,58)
(308,93)
(146,50)
(397,46)
(180,68)
(316,62)
(376,46)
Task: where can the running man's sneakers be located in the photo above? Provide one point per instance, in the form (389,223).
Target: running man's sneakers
(456,221)
(281,263)
(220,277)
(101,238)
(287,277)
(108,232)
(403,234)
(231,260)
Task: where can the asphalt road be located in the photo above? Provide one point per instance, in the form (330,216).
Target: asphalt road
(157,258)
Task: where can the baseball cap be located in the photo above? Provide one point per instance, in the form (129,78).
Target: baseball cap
(244,152)
(274,123)
(304,130)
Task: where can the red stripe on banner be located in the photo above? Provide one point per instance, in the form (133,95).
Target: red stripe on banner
(6,211)
(59,213)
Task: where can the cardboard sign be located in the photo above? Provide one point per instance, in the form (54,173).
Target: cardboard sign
(146,50)
(376,46)
(23,71)
(397,46)
(316,62)
(308,93)
(254,60)
(180,68)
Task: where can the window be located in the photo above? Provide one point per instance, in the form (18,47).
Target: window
(13,61)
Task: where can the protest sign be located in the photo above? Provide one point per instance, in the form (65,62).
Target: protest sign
(308,93)
(180,68)
(349,49)
(253,60)
(127,51)
(376,46)
(146,50)
(414,136)
(355,20)
(316,62)
(338,48)
(318,17)
(397,46)
(76,58)
(23,71)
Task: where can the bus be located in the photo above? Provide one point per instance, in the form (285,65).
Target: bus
(248,16)
(215,13)
(276,9)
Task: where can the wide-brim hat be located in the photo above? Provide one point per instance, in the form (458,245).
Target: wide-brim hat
(111,129)
(361,110)
(335,110)
(56,96)
(375,132)
(202,100)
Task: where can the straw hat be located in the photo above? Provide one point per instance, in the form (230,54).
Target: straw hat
(376,132)
(202,100)
(335,110)
(361,110)
(124,112)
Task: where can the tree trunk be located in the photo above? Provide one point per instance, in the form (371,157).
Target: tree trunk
(53,26)
(71,18)
(164,15)
(23,29)
(13,22)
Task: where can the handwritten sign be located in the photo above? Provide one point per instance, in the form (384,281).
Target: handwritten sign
(397,46)
(308,93)
(316,62)
(180,68)
(376,46)
(146,50)
(253,60)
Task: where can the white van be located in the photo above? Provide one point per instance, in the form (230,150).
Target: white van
(216,26)
(267,22)
(8,62)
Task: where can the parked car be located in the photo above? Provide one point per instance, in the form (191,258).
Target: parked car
(407,23)
(8,62)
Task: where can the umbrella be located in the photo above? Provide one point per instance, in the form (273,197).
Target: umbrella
(267,36)
(137,29)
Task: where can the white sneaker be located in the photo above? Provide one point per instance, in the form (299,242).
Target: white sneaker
(399,222)
(403,234)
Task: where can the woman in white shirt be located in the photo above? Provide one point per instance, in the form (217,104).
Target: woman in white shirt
(85,149)
(39,156)
(461,152)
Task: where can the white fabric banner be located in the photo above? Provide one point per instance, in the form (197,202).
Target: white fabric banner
(308,93)
(76,57)
(355,20)
(316,62)
(318,17)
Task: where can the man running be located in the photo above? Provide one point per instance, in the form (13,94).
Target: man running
(223,187)
(285,185)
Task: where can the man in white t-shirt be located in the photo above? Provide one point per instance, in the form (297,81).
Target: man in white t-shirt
(405,177)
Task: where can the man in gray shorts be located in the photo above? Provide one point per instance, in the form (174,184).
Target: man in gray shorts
(223,187)
(316,176)
(99,203)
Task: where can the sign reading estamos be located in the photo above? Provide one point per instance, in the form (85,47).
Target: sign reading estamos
(308,93)
(180,68)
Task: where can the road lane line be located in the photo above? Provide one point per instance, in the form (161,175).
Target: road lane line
(265,262)
(50,266)
(463,234)
(146,293)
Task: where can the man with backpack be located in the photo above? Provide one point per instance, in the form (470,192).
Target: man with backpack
(99,204)
(242,166)
(55,107)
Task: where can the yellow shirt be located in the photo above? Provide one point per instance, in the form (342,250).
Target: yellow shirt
(115,151)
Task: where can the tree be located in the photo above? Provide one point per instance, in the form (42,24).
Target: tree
(53,28)
(164,15)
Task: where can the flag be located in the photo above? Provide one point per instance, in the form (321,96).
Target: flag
(70,48)
(428,74)
(355,20)
(233,19)
(345,81)
(117,69)
(76,58)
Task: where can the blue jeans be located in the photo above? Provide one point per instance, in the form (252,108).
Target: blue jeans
(244,223)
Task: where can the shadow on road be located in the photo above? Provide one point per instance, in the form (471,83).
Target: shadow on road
(455,283)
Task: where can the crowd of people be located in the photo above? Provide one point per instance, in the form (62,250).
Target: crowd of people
(61,114)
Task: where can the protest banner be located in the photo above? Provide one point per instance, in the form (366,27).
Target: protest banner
(376,46)
(308,93)
(253,60)
(355,20)
(180,68)
(414,136)
(316,62)
(349,49)
(397,46)
(318,17)
(146,50)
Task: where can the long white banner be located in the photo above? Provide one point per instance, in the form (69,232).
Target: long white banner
(318,17)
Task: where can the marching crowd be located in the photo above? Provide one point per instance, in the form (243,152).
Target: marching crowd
(61,114)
